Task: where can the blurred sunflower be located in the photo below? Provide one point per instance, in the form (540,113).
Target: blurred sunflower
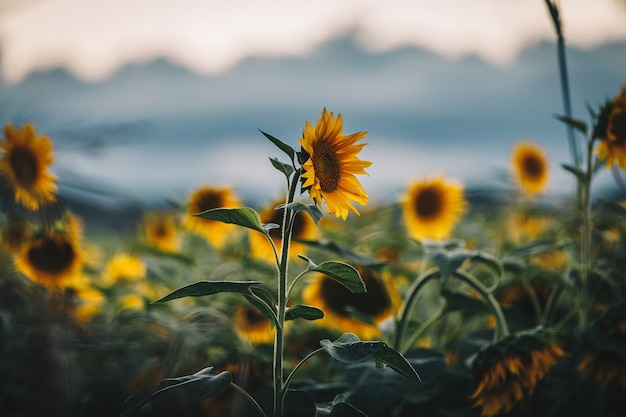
(16,230)
(25,160)
(530,168)
(88,299)
(331,164)
(52,258)
(160,231)
(123,267)
(432,208)
(612,147)
(524,226)
(253,326)
(603,343)
(304,228)
(340,304)
(207,198)
(507,372)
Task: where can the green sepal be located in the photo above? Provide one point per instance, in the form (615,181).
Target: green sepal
(243,216)
(341,272)
(305,312)
(577,124)
(281,145)
(350,349)
(202,288)
(314,211)
(199,386)
(282,167)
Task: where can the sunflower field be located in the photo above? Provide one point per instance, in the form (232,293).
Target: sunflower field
(320,303)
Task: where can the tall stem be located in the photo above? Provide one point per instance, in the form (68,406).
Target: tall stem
(585,233)
(279,394)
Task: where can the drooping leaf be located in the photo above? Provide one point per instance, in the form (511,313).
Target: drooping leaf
(574,170)
(314,211)
(243,216)
(394,359)
(263,301)
(300,311)
(341,272)
(281,145)
(199,386)
(282,167)
(350,349)
(202,288)
(429,363)
(577,124)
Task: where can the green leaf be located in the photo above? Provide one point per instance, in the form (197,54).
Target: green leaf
(449,261)
(314,211)
(394,359)
(577,124)
(202,288)
(264,302)
(574,170)
(299,403)
(281,145)
(344,252)
(199,386)
(341,272)
(243,216)
(300,311)
(458,301)
(340,409)
(350,349)
(282,167)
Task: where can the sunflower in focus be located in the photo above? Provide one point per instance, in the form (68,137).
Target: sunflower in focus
(123,267)
(612,147)
(253,326)
(331,164)
(530,168)
(340,304)
(207,198)
(507,372)
(304,228)
(432,208)
(160,231)
(24,161)
(51,258)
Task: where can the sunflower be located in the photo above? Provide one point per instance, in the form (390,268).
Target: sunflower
(88,300)
(331,165)
(612,147)
(123,267)
(160,231)
(340,304)
(603,344)
(25,162)
(432,208)
(253,326)
(304,228)
(530,168)
(51,258)
(507,372)
(207,198)
(16,231)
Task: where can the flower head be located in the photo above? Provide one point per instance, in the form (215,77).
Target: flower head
(253,326)
(123,267)
(432,208)
(612,147)
(25,161)
(207,198)
(303,229)
(507,372)
(52,258)
(331,165)
(160,231)
(340,304)
(530,168)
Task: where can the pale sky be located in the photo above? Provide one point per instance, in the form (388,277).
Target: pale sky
(94,38)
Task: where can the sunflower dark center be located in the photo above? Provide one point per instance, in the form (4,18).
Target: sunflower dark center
(339,299)
(618,127)
(253,317)
(533,167)
(208,201)
(25,166)
(327,167)
(428,203)
(160,230)
(52,256)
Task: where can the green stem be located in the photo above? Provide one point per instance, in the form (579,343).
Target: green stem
(407,306)
(249,397)
(585,243)
(423,327)
(294,370)
(501,329)
(279,394)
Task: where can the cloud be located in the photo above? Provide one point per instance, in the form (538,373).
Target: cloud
(94,38)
